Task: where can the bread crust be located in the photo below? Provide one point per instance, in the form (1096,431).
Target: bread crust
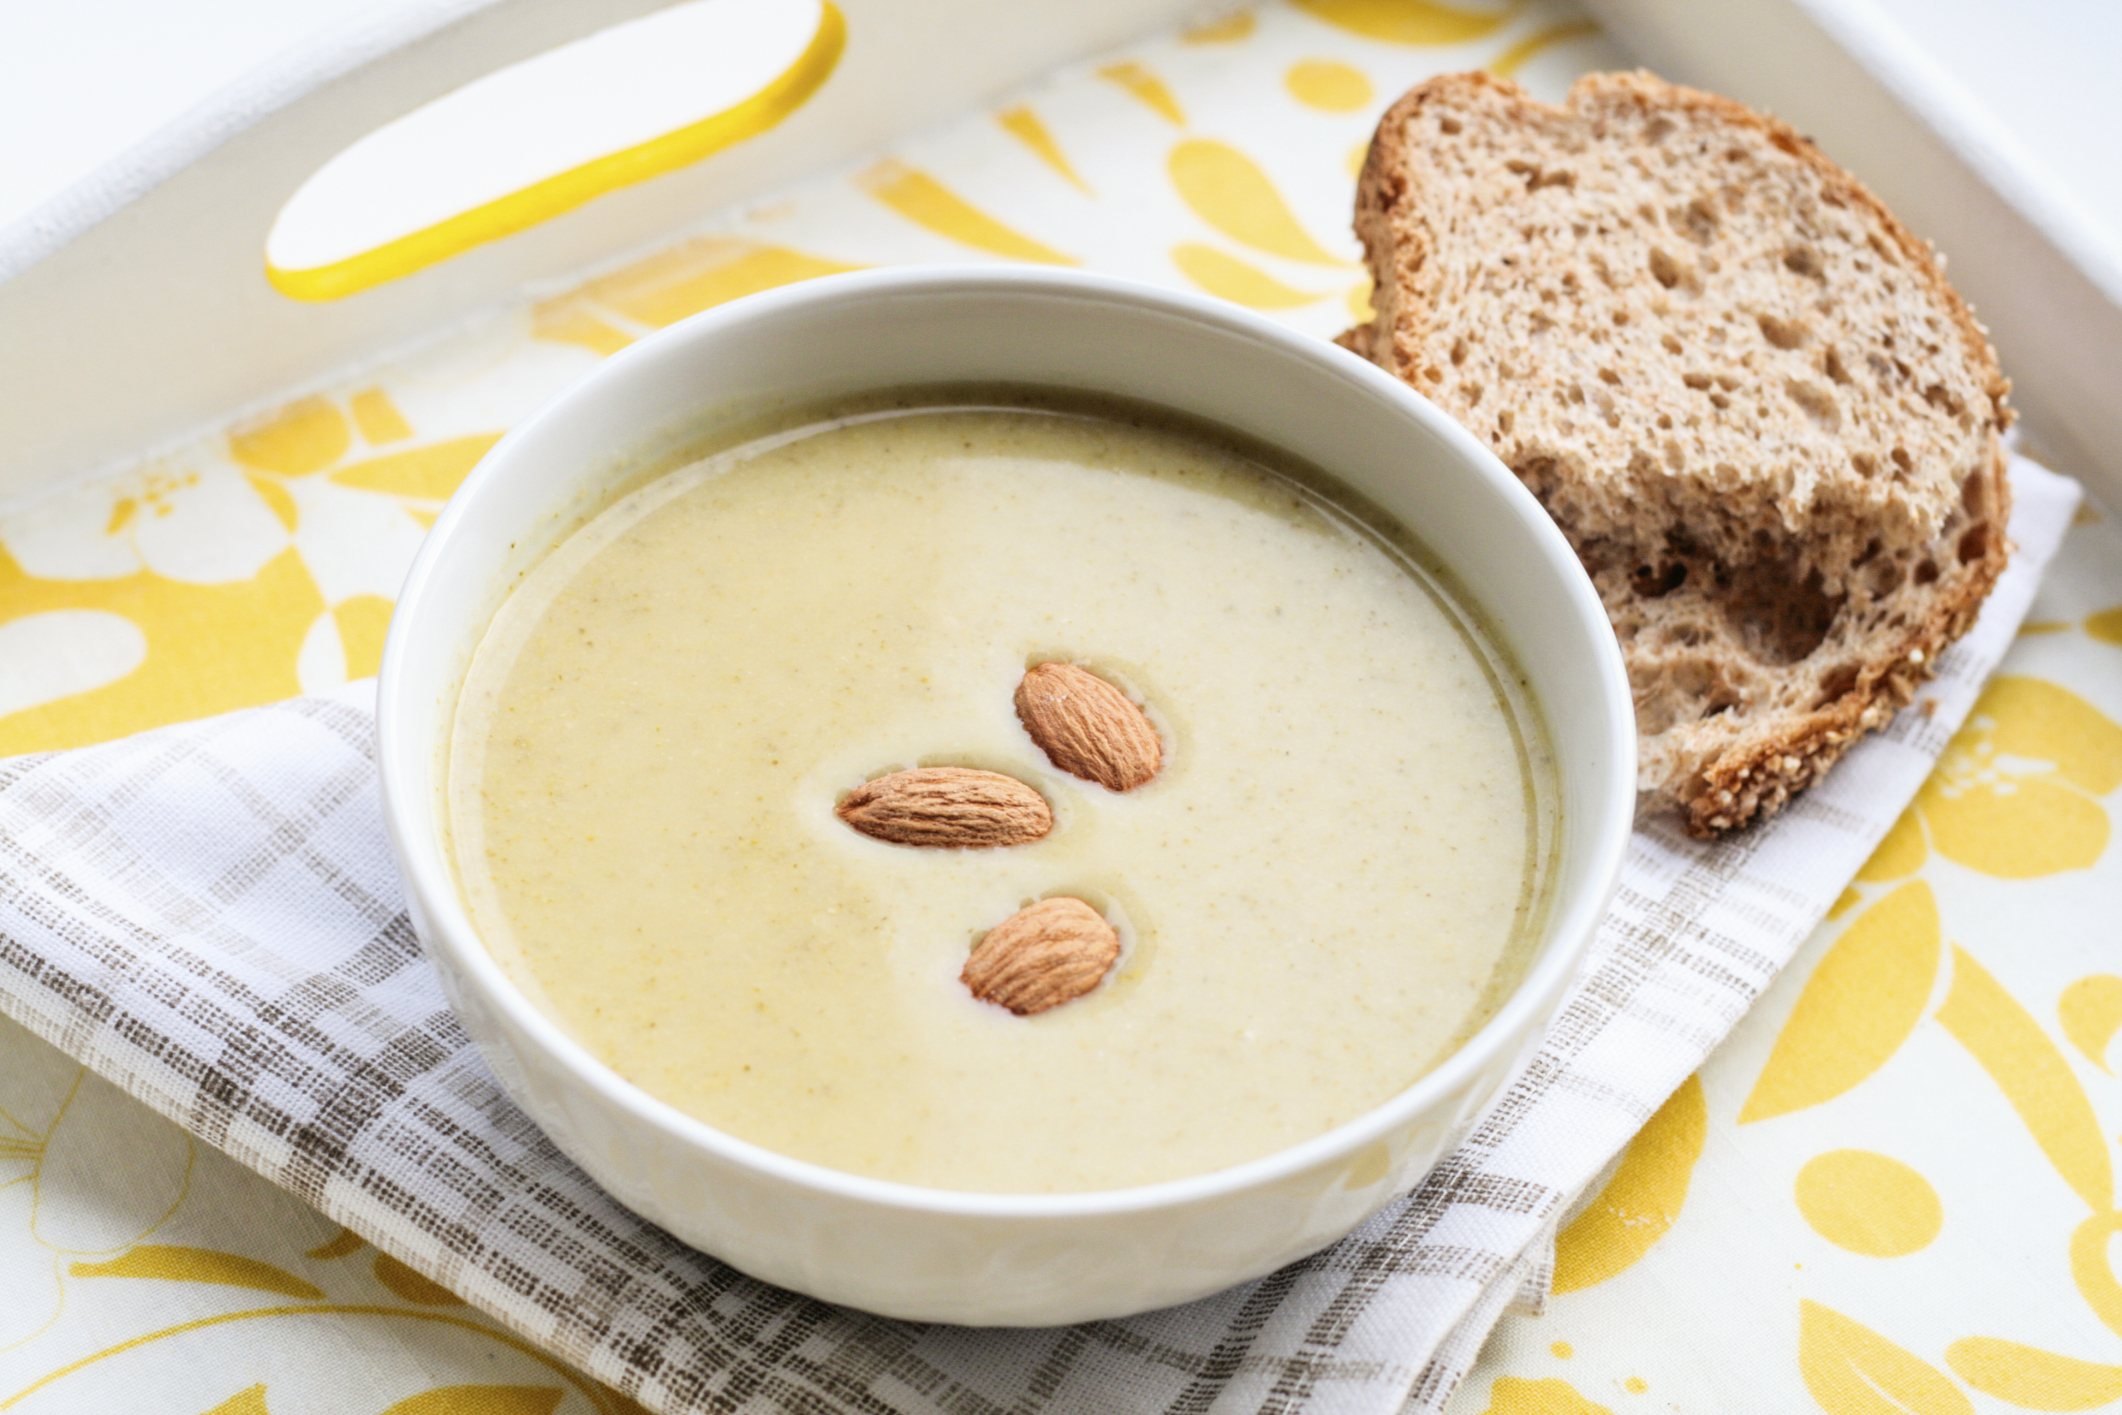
(1770,611)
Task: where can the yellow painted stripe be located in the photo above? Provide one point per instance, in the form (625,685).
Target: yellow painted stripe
(428,473)
(544,200)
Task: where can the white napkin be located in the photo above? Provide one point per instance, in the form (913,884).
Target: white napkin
(208,915)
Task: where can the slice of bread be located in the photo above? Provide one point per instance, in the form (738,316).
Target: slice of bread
(1765,422)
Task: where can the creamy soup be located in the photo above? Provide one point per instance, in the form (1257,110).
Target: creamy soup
(1333,879)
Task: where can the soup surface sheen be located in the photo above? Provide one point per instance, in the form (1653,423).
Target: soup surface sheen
(1332,881)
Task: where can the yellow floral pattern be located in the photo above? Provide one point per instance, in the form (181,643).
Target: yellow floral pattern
(2018,792)
(1910,1145)
(260,565)
(1634,1209)
(1892,1190)
(1857,1008)
(53,1120)
(1869,1203)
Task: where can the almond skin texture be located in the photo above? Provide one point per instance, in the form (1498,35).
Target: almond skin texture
(1040,957)
(1087,727)
(948,808)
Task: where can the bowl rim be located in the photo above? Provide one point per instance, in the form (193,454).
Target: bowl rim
(418,841)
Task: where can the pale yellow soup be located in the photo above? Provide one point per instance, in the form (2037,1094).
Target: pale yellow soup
(1333,881)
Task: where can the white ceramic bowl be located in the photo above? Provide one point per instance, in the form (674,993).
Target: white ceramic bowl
(1000,1259)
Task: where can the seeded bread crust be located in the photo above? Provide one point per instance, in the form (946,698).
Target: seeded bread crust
(1747,395)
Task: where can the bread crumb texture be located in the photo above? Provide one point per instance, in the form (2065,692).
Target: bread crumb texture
(1748,396)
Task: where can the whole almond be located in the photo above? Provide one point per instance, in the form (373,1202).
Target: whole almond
(1042,956)
(948,807)
(1087,727)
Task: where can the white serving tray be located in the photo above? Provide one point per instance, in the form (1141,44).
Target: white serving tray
(135,306)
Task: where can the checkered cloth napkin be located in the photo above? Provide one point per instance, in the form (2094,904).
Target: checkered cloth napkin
(208,915)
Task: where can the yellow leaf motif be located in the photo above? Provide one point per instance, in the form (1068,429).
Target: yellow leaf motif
(1148,87)
(2012,795)
(428,473)
(569,320)
(378,417)
(303,437)
(2091,1012)
(363,621)
(1228,278)
(2106,626)
(2038,719)
(347,1242)
(1327,85)
(688,278)
(2090,1271)
(243,1402)
(1900,854)
(1358,300)
(1228,190)
(1512,1395)
(927,203)
(1228,30)
(2033,1379)
(210,649)
(1024,125)
(1867,1203)
(2034,1077)
(480,1400)
(2038,829)
(273,494)
(413,1286)
(175,1264)
(1857,1008)
(1642,1201)
(1419,22)
(1852,1370)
